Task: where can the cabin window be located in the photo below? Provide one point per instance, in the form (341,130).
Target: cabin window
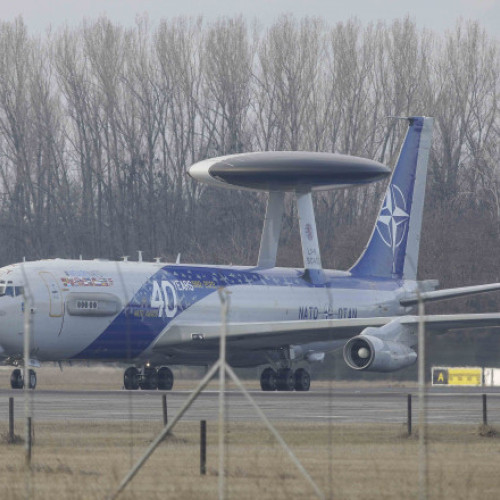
(7,288)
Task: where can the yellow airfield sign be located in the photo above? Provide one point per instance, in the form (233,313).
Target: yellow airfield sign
(469,375)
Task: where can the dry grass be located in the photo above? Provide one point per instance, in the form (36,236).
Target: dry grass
(82,461)
(348,461)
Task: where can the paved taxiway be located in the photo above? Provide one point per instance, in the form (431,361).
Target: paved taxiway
(364,405)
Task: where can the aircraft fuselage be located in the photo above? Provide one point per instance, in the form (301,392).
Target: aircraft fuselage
(103,310)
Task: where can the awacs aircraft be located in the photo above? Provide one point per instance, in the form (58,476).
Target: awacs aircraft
(153,315)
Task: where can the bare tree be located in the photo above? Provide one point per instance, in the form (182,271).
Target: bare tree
(98,125)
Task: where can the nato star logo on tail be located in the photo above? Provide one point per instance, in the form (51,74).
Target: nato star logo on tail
(392,222)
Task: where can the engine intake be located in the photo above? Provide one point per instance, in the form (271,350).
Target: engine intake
(366,352)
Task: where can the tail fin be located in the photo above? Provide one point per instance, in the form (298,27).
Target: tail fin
(392,251)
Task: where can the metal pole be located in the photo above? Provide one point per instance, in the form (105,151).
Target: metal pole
(164,407)
(152,447)
(422,438)
(27,405)
(224,299)
(485,412)
(409,415)
(203,447)
(11,420)
(191,399)
(28,304)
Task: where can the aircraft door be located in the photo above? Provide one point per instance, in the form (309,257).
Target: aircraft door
(56,305)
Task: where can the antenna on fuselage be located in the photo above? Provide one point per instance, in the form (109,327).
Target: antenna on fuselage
(178,260)
(309,238)
(157,260)
(125,258)
(308,235)
(271,229)
(140,255)
(277,172)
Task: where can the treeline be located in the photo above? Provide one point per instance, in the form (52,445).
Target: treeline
(99,123)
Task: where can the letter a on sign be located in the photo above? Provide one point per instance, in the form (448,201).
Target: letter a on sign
(439,376)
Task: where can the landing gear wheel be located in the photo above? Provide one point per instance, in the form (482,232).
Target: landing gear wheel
(165,379)
(16,379)
(285,380)
(268,380)
(131,378)
(302,380)
(149,379)
(31,379)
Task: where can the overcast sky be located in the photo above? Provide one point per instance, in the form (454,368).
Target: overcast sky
(439,15)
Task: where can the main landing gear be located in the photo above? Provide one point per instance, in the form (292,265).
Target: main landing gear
(148,378)
(285,379)
(17,379)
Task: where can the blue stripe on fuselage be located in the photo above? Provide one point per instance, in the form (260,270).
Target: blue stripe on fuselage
(139,323)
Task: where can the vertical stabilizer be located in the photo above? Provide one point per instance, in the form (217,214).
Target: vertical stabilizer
(392,251)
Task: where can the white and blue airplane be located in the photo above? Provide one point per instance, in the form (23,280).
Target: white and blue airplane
(151,314)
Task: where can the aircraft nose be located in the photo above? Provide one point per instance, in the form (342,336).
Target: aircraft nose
(2,336)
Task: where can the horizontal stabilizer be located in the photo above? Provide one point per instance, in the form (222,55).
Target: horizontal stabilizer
(449,293)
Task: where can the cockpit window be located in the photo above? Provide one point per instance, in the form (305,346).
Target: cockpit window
(8,288)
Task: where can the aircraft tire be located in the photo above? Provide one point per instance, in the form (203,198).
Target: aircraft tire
(32,379)
(165,379)
(285,381)
(16,379)
(302,380)
(131,379)
(268,380)
(149,379)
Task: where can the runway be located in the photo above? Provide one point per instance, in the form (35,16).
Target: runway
(363,405)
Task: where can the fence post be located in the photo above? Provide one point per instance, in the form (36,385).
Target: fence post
(11,420)
(164,406)
(409,415)
(485,412)
(203,447)
(29,442)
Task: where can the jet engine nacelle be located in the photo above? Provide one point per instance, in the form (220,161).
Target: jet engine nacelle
(366,352)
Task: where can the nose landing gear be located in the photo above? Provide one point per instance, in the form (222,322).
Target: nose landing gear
(148,378)
(17,379)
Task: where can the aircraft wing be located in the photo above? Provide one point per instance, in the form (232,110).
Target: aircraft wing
(450,293)
(265,335)
(439,323)
(268,335)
